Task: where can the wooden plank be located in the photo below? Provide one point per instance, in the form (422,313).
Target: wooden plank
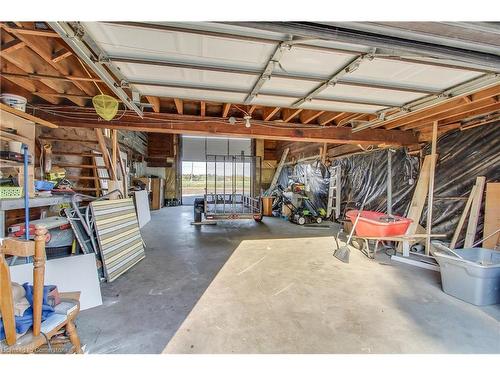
(461,221)
(203,109)
(259,129)
(278,169)
(327,117)
(225,109)
(269,112)
(430,194)
(155,102)
(27,116)
(491,214)
(288,114)
(179,106)
(419,195)
(474,212)
(13,45)
(61,55)
(31,31)
(105,153)
(307,115)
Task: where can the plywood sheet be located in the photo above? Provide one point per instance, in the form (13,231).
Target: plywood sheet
(491,214)
(71,274)
(142,206)
(118,234)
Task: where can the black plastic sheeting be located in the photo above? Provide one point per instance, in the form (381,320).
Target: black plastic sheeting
(362,174)
(463,156)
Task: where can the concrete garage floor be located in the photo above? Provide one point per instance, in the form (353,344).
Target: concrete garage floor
(276,295)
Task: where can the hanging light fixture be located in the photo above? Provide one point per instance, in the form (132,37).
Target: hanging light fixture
(247,121)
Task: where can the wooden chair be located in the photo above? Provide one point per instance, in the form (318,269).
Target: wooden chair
(41,332)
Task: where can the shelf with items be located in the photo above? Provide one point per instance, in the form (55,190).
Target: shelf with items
(18,126)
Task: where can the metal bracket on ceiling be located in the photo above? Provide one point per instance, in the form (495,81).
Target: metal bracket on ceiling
(83,51)
(350,67)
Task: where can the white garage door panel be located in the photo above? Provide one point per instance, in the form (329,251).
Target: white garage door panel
(340,107)
(118,40)
(402,73)
(314,63)
(207,95)
(285,86)
(193,148)
(196,148)
(369,94)
(163,74)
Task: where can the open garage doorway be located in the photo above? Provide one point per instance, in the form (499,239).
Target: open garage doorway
(194,161)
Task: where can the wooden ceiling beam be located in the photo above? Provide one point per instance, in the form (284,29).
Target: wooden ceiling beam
(61,55)
(225,109)
(438,109)
(155,102)
(454,119)
(269,112)
(45,48)
(345,120)
(328,117)
(288,114)
(36,76)
(179,106)
(30,31)
(13,45)
(307,115)
(203,109)
(185,124)
(29,86)
(252,109)
(457,111)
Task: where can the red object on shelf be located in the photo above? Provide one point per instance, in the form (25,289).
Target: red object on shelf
(379,224)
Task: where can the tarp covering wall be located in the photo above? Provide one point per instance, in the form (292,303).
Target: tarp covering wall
(463,156)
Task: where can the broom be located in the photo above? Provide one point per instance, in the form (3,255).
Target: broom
(342,252)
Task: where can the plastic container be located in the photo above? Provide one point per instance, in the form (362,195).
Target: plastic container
(15,146)
(377,224)
(474,279)
(11,192)
(14,101)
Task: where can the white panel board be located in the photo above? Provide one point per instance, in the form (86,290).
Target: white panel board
(119,40)
(403,73)
(142,207)
(340,107)
(69,274)
(317,63)
(391,98)
(166,75)
(273,101)
(285,86)
(207,95)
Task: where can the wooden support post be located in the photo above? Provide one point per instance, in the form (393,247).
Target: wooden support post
(430,196)
(38,277)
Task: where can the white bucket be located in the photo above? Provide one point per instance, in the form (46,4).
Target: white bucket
(15,146)
(15,101)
